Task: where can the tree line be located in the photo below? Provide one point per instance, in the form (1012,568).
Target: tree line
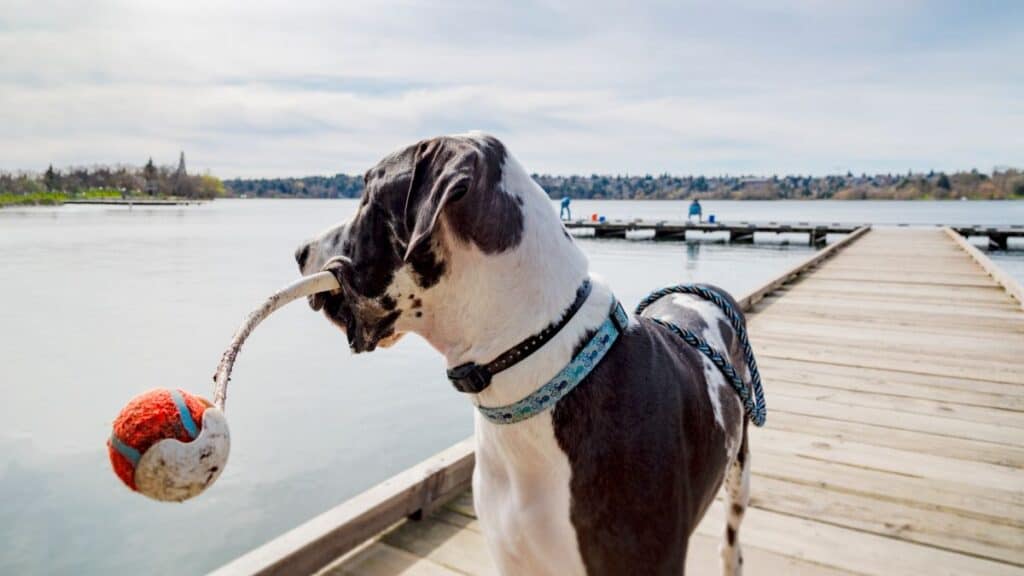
(1001,184)
(337,186)
(169,181)
(148,180)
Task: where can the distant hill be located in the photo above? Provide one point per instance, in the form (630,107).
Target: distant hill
(1001,184)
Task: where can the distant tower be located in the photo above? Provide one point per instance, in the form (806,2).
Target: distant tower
(181,177)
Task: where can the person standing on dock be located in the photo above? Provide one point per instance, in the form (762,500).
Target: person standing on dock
(565,213)
(696,210)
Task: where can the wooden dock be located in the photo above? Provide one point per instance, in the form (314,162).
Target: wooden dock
(893,365)
(743,232)
(737,232)
(998,236)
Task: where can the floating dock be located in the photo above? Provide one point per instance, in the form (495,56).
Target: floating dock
(738,233)
(893,363)
(743,232)
(998,236)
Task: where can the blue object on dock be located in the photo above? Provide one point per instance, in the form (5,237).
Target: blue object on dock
(711,218)
(601,219)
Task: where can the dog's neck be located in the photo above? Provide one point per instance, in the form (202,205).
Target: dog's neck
(488,303)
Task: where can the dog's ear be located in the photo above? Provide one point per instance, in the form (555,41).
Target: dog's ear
(442,174)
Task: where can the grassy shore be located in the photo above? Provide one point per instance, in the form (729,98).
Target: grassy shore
(58,198)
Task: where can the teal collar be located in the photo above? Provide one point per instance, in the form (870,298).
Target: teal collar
(568,378)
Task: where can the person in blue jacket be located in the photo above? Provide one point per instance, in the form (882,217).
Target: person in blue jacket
(696,210)
(565,213)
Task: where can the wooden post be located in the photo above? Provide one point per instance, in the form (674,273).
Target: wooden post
(819,237)
(741,236)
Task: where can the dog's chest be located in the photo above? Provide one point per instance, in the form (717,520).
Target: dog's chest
(521,494)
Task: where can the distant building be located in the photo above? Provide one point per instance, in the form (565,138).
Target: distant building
(181,183)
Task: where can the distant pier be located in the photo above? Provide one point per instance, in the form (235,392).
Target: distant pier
(743,232)
(998,237)
(739,233)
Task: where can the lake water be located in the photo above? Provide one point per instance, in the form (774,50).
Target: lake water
(99,304)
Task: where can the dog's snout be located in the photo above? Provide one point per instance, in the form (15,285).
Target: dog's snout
(301,255)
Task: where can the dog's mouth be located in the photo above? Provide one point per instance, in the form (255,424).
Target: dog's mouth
(316,301)
(364,324)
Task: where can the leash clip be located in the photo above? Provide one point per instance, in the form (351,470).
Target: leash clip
(619,316)
(470,378)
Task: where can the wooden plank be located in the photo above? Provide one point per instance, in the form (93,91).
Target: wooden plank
(853,288)
(323,539)
(923,310)
(938,528)
(463,505)
(976,476)
(899,277)
(888,378)
(984,298)
(449,545)
(951,346)
(949,493)
(923,271)
(953,336)
(998,274)
(888,385)
(934,425)
(849,549)
(381,559)
(952,264)
(941,322)
(975,369)
(924,332)
(996,416)
(911,440)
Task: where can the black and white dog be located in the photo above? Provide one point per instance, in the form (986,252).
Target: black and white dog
(454,241)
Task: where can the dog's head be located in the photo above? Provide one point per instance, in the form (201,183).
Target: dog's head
(419,204)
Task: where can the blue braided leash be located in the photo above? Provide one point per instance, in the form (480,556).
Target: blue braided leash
(752,396)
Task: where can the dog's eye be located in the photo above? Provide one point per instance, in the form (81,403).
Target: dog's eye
(458,191)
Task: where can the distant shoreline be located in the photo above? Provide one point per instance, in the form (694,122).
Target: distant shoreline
(60,199)
(1000,184)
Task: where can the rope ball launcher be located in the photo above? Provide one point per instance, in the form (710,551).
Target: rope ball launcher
(171,445)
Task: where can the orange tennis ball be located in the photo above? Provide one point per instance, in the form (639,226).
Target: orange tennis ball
(168,444)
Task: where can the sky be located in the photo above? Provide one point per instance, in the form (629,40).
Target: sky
(293,88)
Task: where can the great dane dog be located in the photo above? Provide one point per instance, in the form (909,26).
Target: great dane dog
(455,242)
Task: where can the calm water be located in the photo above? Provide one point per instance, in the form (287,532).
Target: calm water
(99,304)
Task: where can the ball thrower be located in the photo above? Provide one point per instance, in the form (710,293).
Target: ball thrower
(171,445)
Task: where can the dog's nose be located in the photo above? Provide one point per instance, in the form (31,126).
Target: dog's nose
(301,255)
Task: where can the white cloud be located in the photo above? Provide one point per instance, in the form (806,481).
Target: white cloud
(293,88)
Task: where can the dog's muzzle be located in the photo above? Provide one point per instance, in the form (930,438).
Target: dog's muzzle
(341,306)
